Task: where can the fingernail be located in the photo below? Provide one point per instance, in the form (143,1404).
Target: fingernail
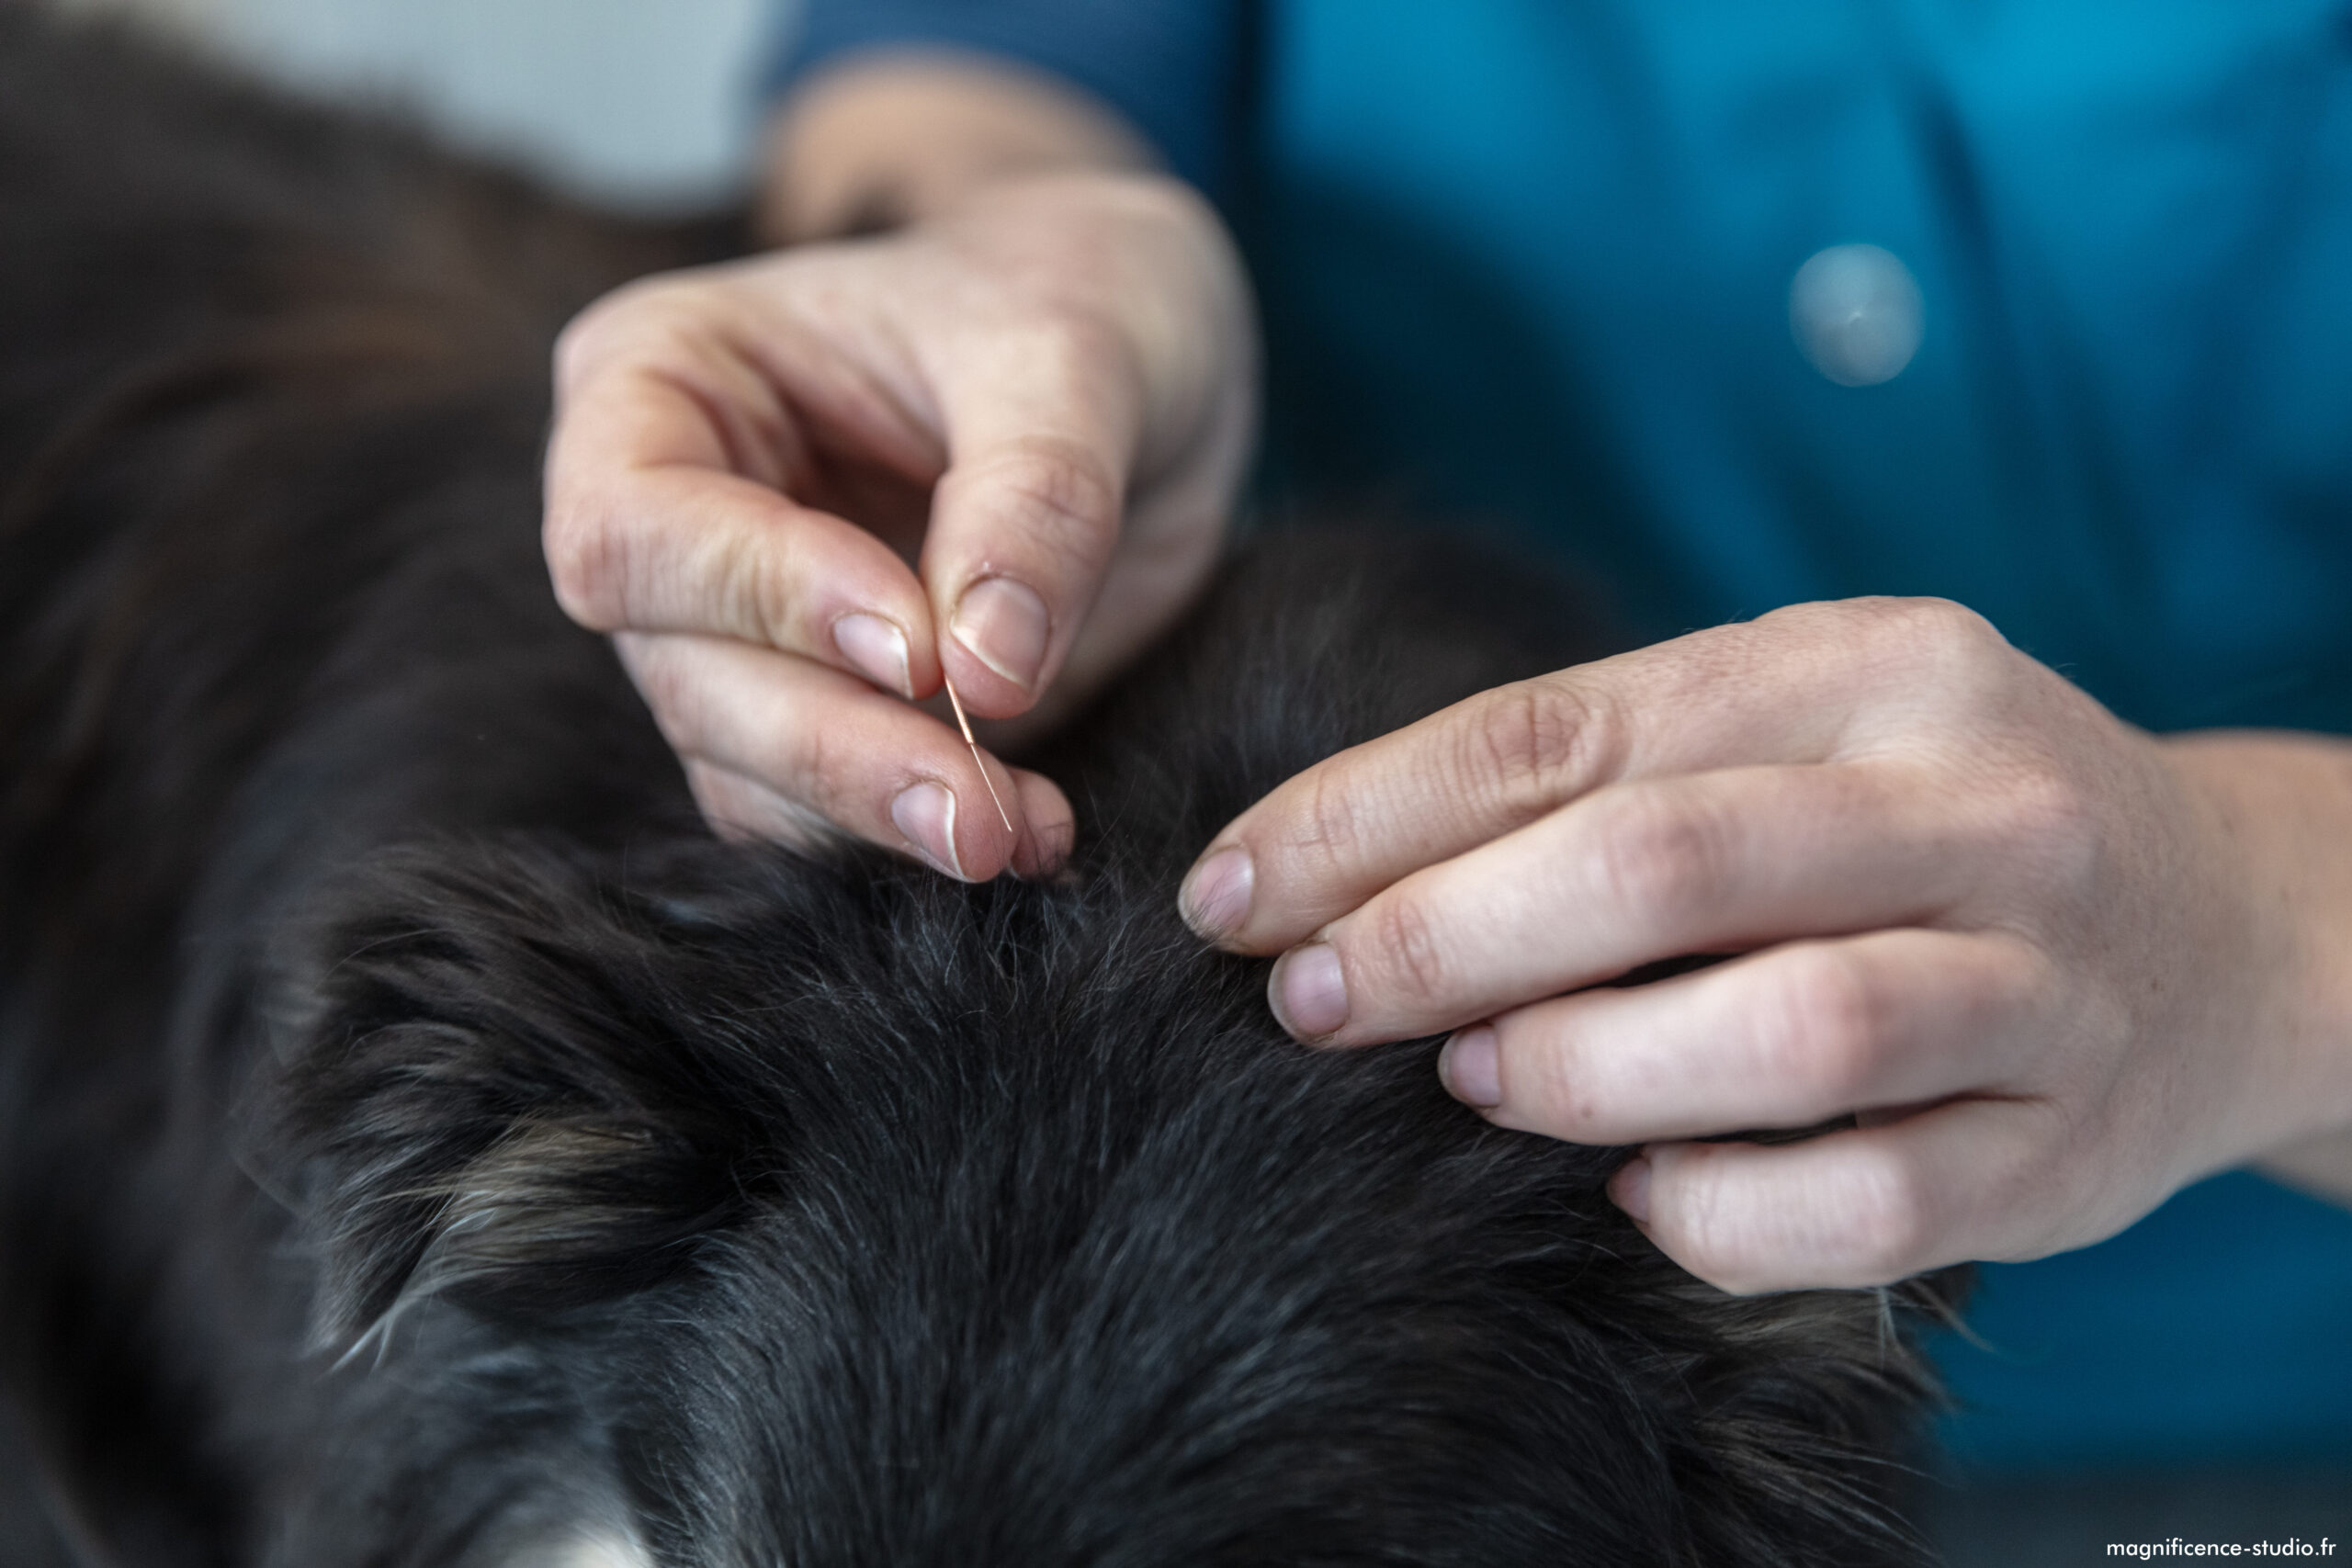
(1215,898)
(925,813)
(1630,1189)
(1472,1066)
(1307,992)
(875,649)
(1003,623)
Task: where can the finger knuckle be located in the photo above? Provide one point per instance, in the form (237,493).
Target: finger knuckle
(1412,953)
(749,590)
(1885,1223)
(1698,1218)
(1553,1089)
(1936,639)
(1331,821)
(1066,498)
(1870,1220)
(816,769)
(1824,1033)
(1661,862)
(1536,741)
(1931,622)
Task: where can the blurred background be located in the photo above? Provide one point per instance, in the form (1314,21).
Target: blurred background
(647,104)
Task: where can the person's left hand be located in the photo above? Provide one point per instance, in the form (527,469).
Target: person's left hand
(2044,960)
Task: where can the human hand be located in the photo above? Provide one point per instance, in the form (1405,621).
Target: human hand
(2053,967)
(1043,399)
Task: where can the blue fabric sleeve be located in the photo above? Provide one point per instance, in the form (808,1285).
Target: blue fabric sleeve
(1172,67)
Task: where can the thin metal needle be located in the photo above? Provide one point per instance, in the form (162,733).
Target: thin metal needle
(966,726)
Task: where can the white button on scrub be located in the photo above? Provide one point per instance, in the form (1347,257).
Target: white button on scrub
(1855,311)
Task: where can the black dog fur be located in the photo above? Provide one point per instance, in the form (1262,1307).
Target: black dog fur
(422,1143)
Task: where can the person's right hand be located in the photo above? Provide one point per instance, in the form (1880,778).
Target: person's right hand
(1044,399)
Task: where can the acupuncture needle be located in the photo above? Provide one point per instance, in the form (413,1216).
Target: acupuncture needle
(966,726)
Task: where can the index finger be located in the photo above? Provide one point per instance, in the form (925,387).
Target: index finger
(667,511)
(1773,691)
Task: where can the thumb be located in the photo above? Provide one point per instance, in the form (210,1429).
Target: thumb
(1042,428)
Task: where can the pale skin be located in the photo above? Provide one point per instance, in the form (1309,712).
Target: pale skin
(2042,968)
(995,445)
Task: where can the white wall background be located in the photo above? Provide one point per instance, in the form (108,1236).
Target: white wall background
(647,103)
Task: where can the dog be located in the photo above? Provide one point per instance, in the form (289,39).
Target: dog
(423,1143)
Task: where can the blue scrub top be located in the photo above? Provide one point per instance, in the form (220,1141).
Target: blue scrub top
(1527,263)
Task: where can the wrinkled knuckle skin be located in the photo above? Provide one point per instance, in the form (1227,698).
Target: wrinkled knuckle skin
(1068,488)
(821,775)
(1661,863)
(751,592)
(1876,1227)
(1697,1225)
(1890,1222)
(1411,954)
(1328,833)
(1533,741)
(1826,1034)
(1064,497)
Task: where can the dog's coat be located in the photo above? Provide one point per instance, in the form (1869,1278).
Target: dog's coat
(421,1143)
